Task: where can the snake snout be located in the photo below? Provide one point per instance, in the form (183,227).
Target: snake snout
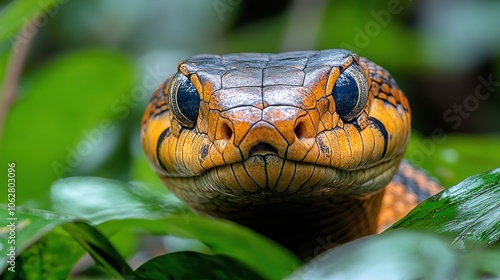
(262,138)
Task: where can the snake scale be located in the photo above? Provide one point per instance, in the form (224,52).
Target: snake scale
(305,147)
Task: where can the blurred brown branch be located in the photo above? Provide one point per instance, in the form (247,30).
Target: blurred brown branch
(13,74)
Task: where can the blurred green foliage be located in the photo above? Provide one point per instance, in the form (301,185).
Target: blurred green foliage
(451,158)
(52,142)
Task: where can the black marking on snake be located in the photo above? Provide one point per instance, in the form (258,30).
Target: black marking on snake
(411,184)
(322,146)
(393,83)
(380,126)
(204,151)
(356,124)
(162,137)
(157,96)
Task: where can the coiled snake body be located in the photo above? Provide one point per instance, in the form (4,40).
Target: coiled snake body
(300,146)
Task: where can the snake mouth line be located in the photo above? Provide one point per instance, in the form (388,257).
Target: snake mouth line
(270,175)
(264,150)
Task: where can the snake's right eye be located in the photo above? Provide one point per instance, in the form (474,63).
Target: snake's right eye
(351,92)
(184,100)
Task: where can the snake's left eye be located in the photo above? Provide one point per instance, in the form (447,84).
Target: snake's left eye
(184,100)
(350,92)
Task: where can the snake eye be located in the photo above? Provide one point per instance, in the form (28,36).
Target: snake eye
(184,100)
(350,92)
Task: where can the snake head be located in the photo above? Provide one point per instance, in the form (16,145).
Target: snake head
(296,145)
(310,122)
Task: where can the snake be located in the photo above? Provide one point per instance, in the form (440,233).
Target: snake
(304,147)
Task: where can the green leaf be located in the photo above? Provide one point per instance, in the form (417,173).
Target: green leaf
(37,245)
(257,252)
(44,259)
(20,12)
(191,265)
(99,200)
(400,255)
(101,250)
(467,212)
(223,237)
(91,89)
(89,198)
(39,242)
(132,206)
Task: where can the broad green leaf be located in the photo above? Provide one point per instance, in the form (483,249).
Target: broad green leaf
(453,157)
(37,242)
(65,111)
(400,255)
(99,200)
(114,205)
(469,211)
(45,258)
(44,250)
(101,250)
(191,265)
(223,237)
(21,12)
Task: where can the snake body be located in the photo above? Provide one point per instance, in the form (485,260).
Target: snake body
(300,146)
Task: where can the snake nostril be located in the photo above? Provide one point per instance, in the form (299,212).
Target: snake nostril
(226,132)
(301,131)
